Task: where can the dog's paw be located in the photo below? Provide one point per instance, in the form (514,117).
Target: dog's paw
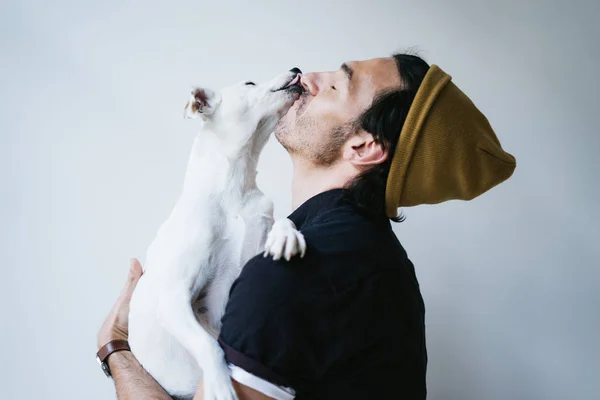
(284,240)
(217,383)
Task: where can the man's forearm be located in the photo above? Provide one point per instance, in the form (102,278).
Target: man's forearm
(131,380)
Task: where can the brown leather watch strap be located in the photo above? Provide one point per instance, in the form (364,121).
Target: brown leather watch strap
(111,347)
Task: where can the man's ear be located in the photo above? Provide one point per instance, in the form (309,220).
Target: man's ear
(201,102)
(361,149)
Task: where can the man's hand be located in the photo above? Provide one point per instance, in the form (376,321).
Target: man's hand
(116,325)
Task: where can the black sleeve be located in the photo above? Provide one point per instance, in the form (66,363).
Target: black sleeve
(260,329)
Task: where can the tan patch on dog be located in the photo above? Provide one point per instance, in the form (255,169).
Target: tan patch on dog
(191,105)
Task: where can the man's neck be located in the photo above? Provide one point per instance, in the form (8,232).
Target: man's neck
(308,181)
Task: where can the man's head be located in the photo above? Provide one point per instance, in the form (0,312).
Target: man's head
(349,120)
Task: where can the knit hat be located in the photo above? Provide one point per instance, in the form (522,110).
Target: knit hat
(447,149)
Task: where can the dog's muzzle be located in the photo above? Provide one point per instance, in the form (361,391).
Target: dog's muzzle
(294,84)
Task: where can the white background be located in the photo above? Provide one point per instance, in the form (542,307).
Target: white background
(93,150)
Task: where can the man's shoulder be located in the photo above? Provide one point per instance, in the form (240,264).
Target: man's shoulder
(260,267)
(268,276)
(343,246)
(345,230)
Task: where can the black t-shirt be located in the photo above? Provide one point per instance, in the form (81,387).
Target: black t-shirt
(344,322)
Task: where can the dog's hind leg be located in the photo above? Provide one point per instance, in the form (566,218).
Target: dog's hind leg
(176,315)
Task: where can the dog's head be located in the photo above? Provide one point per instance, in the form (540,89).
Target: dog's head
(247,109)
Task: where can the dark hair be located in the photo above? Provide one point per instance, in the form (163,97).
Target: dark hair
(384,120)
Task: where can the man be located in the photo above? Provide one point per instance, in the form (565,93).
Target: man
(346,321)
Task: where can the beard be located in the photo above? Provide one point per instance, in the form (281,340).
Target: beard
(312,141)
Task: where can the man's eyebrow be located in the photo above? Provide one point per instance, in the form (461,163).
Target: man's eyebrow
(348,71)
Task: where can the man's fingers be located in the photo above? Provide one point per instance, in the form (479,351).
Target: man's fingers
(135,269)
(135,273)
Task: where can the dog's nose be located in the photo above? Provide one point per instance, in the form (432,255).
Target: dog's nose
(296,70)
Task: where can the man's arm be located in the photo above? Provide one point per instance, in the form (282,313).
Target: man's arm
(131,380)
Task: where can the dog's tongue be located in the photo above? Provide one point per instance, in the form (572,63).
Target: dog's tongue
(294,81)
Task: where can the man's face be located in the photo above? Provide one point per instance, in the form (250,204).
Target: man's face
(318,124)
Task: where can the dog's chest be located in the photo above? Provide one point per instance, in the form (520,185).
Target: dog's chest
(229,255)
(238,238)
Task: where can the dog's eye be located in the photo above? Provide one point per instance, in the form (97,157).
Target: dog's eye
(333,87)
(250,83)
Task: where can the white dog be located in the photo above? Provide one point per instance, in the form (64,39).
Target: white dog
(220,221)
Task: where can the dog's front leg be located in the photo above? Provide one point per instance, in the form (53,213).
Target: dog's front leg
(177,317)
(284,240)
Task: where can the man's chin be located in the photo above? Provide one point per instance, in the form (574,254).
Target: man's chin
(283,125)
(279,131)
(282,133)
(281,139)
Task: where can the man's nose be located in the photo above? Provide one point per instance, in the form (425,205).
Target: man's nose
(309,83)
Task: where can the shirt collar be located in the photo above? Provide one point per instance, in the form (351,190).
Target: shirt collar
(318,205)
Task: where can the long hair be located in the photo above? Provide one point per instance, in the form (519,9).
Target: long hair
(384,120)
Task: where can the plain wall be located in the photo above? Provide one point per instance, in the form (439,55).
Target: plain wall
(93,150)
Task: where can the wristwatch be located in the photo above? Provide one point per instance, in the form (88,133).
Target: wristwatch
(107,350)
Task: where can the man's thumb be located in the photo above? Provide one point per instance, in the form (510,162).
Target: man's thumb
(135,271)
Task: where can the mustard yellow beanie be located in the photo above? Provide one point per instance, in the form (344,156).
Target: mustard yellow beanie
(447,149)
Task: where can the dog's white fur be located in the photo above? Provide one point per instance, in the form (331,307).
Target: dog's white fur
(220,221)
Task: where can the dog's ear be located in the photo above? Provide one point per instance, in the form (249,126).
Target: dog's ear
(201,102)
